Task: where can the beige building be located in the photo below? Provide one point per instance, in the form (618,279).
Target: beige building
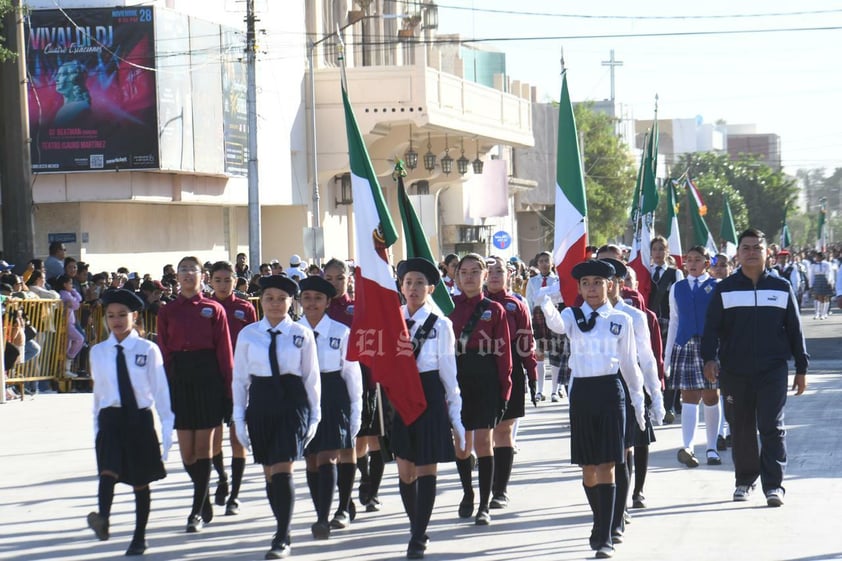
(404,101)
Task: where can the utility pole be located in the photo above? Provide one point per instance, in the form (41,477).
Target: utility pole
(15,158)
(255,241)
(611,62)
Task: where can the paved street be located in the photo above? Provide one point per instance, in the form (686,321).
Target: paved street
(48,486)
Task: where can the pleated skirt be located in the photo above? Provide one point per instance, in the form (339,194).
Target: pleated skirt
(597,420)
(334,432)
(516,407)
(480,388)
(277,416)
(634,436)
(371,424)
(428,440)
(197,390)
(127,447)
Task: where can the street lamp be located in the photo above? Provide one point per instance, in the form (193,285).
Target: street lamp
(446,161)
(462,162)
(411,156)
(477,163)
(429,157)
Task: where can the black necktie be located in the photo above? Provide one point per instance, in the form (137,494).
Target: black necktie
(315,334)
(273,353)
(657,276)
(127,399)
(409,324)
(586,326)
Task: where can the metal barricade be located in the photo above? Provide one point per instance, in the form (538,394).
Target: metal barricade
(50,321)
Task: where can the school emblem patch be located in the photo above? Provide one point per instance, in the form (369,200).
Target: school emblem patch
(350,310)
(432,334)
(298,340)
(207,312)
(239,314)
(140,360)
(334,342)
(486,315)
(615,328)
(511,306)
(708,288)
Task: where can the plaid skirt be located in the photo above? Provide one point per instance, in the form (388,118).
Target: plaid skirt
(821,287)
(688,368)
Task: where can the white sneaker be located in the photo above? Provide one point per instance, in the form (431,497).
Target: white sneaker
(554,398)
(775,497)
(743,492)
(70,374)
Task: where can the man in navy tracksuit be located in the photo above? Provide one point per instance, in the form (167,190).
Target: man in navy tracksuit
(753,327)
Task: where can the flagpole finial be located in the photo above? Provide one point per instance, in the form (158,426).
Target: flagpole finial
(399,171)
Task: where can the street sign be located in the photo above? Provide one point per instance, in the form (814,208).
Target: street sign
(501,239)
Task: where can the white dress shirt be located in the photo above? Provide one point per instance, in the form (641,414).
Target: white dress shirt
(533,288)
(332,348)
(609,346)
(674,319)
(438,353)
(146,372)
(296,353)
(645,355)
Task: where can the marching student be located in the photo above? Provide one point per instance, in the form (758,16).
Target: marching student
(484,372)
(422,445)
(129,378)
(341,405)
(821,285)
(524,367)
(689,299)
(239,313)
(600,345)
(546,345)
(194,341)
(276,392)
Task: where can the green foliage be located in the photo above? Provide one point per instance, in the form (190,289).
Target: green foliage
(5,8)
(817,186)
(609,174)
(765,193)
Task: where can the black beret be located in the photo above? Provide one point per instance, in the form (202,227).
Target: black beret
(319,285)
(593,268)
(281,282)
(620,269)
(420,265)
(122,296)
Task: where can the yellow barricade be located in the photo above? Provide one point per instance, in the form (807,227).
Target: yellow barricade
(49,320)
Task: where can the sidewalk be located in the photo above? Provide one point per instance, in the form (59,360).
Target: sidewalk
(48,486)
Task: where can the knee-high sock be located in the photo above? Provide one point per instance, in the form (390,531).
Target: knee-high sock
(271,497)
(605,494)
(201,479)
(463,468)
(327,483)
(539,383)
(105,495)
(284,498)
(142,504)
(712,417)
(238,467)
(345,483)
(641,466)
(485,467)
(409,495)
(621,493)
(503,459)
(724,429)
(362,465)
(554,376)
(689,420)
(375,470)
(219,466)
(313,486)
(424,502)
(593,501)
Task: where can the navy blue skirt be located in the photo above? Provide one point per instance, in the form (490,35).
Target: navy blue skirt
(597,420)
(480,388)
(197,390)
(428,440)
(128,448)
(277,416)
(334,432)
(516,408)
(634,436)
(371,424)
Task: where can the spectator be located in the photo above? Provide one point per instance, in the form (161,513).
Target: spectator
(71,267)
(38,285)
(75,338)
(265,269)
(242,267)
(54,264)
(150,293)
(295,272)
(168,274)
(33,265)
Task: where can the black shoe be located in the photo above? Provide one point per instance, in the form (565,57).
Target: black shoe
(721,443)
(688,458)
(194,524)
(99,524)
(373,504)
(466,507)
(483,518)
(340,521)
(221,492)
(136,548)
(669,418)
(232,507)
(279,550)
(713,458)
(638,501)
(320,530)
(415,550)
(500,500)
(207,510)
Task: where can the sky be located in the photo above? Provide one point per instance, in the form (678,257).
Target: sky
(786,82)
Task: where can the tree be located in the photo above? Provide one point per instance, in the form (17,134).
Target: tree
(609,174)
(765,192)
(5,8)
(817,186)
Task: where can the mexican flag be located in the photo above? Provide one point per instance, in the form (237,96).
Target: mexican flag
(821,229)
(727,232)
(786,238)
(416,240)
(571,207)
(643,212)
(698,209)
(378,332)
(673,237)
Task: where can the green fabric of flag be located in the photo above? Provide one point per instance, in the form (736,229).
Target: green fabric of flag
(727,232)
(786,237)
(416,240)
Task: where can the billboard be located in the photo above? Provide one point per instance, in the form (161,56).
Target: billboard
(92,96)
